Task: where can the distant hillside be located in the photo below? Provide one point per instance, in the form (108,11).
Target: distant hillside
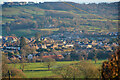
(57,15)
(101,8)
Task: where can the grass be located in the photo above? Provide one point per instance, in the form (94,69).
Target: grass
(22,10)
(39,70)
(27,32)
(53,29)
(4,20)
(10,11)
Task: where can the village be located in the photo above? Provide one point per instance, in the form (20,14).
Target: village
(19,3)
(59,39)
(59,46)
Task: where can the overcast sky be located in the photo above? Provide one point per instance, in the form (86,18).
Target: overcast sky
(78,1)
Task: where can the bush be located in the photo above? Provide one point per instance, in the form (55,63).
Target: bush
(15,73)
(79,70)
(89,70)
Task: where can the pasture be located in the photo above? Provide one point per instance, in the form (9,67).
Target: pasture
(40,70)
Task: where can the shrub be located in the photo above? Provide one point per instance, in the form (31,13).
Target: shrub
(78,70)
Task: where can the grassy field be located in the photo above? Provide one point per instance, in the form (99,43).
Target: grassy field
(53,29)
(28,32)
(40,70)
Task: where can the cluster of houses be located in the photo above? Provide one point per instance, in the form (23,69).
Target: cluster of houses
(12,44)
(20,3)
(15,3)
(60,45)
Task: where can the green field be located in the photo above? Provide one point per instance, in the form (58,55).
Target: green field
(58,17)
(28,32)
(40,70)
(53,29)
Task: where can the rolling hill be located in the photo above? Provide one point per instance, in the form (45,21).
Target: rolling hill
(26,20)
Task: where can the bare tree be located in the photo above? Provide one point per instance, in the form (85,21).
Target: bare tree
(68,57)
(49,62)
(67,71)
(95,55)
(13,72)
(8,30)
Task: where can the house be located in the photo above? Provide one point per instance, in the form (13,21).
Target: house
(4,45)
(100,44)
(22,3)
(36,46)
(48,44)
(39,45)
(60,56)
(15,3)
(30,3)
(13,57)
(54,56)
(18,56)
(89,46)
(54,46)
(27,40)
(30,56)
(12,48)
(94,43)
(69,45)
(11,38)
(44,46)
(44,39)
(8,3)
(107,47)
(49,56)
(0,37)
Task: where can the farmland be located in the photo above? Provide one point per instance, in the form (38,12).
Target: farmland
(39,70)
(47,17)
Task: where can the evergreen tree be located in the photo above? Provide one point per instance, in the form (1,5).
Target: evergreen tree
(22,42)
(37,37)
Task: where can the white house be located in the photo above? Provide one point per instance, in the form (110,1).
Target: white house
(69,45)
(44,46)
(30,56)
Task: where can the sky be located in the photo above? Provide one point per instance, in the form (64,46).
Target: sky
(77,1)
